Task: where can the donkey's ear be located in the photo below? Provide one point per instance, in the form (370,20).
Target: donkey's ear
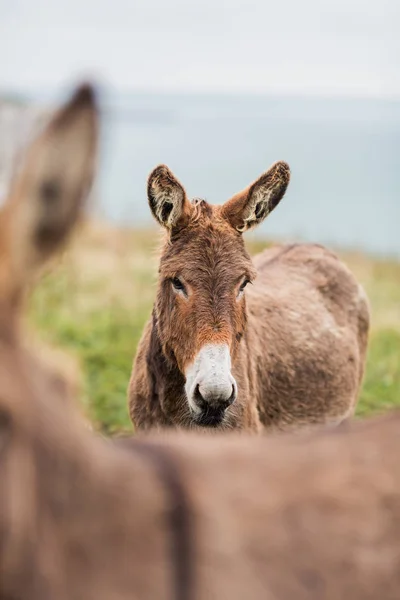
(167,197)
(48,194)
(249,207)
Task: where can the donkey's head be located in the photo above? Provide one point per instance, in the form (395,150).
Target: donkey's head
(45,202)
(204,269)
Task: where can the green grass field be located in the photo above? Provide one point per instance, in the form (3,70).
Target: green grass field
(93,303)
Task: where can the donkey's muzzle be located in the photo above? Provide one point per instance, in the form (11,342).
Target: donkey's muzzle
(212,408)
(210,386)
(215,397)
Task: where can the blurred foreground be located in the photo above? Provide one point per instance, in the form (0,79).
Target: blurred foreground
(95,300)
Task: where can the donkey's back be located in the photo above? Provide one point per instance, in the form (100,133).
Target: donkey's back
(314,516)
(310,336)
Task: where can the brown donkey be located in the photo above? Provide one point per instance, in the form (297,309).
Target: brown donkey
(312,517)
(286,352)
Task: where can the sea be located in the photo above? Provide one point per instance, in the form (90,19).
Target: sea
(344,155)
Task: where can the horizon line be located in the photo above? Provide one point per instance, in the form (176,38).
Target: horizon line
(108,89)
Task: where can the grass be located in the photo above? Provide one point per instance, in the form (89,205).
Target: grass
(94,302)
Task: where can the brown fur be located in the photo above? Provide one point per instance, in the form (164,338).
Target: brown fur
(81,519)
(297,338)
(313,517)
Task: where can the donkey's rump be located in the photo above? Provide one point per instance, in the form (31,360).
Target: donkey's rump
(311,320)
(306,277)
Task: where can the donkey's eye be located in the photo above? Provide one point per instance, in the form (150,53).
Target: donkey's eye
(243,284)
(241,288)
(178,285)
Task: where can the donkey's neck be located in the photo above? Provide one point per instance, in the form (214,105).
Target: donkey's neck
(167,384)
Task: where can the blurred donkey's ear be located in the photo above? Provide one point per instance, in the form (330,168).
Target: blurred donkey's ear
(48,194)
(249,207)
(167,198)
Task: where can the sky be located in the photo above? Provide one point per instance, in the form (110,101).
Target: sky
(323,47)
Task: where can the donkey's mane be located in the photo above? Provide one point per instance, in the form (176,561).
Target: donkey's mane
(201,208)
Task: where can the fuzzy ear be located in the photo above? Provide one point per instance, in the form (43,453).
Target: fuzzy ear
(167,197)
(249,207)
(48,194)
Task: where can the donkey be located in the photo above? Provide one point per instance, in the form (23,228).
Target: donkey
(312,517)
(287,352)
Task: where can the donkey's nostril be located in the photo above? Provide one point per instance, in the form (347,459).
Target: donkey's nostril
(232,397)
(200,402)
(226,403)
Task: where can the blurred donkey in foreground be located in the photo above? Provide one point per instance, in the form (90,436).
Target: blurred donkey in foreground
(178,517)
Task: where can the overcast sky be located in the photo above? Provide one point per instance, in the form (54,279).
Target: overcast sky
(349,47)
